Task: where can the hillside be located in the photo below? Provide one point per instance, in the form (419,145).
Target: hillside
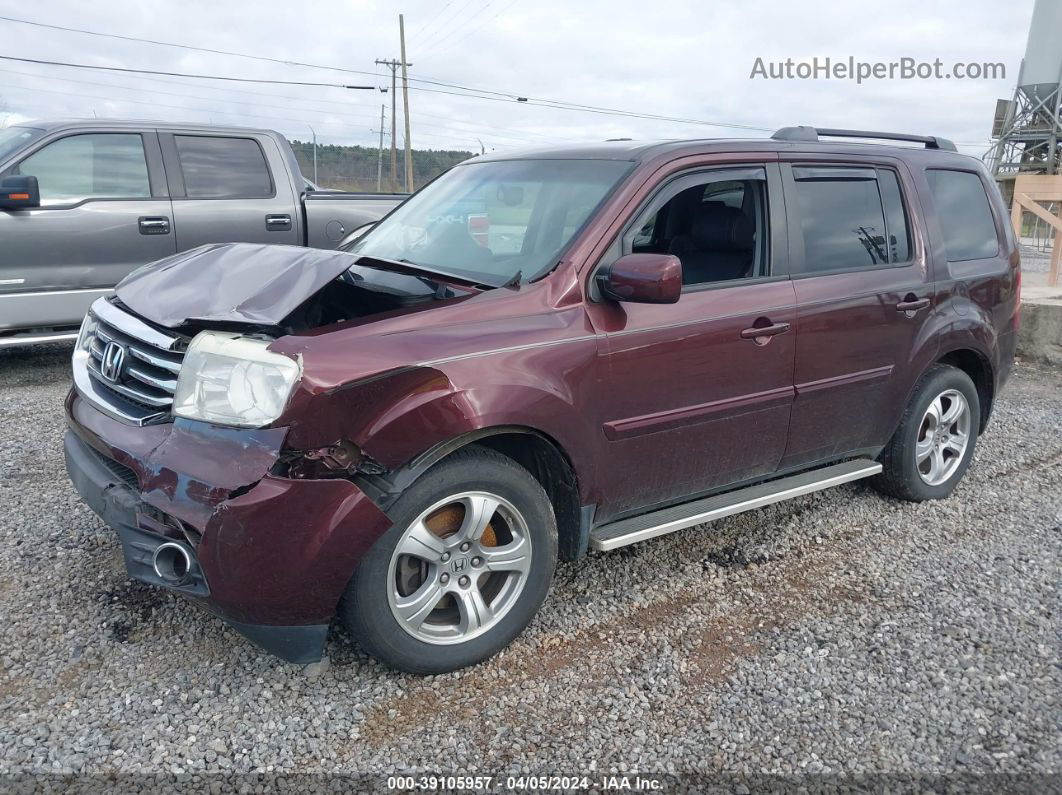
(353,168)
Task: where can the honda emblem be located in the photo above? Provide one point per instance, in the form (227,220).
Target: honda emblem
(113,361)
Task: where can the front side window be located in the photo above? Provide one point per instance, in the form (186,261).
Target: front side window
(90,166)
(851,218)
(223,168)
(964,215)
(715,224)
(14,138)
(494,221)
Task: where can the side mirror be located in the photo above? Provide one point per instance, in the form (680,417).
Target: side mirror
(17,193)
(643,279)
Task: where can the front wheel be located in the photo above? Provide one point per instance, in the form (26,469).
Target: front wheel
(463,569)
(932,448)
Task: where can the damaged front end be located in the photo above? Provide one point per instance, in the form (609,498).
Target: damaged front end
(199,511)
(173,438)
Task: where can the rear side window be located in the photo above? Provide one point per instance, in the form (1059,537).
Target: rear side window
(964,215)
(842,218)
(223,168)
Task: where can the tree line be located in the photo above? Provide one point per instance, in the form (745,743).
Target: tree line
(353,168)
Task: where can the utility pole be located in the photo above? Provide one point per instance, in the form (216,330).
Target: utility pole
(393,66)
(379,156)
(405,103)
(312,130)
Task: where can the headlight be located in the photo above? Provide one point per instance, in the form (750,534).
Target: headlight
(233,380)
(84,337)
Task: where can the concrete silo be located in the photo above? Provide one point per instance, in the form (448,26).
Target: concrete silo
(1028,128)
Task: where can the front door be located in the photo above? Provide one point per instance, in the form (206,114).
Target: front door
(864,295)
(694,398)
(104,211)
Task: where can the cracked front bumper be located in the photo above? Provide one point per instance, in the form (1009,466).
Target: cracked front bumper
(271,556)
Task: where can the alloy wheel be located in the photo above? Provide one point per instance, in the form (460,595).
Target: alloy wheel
(943,436)
(459,568)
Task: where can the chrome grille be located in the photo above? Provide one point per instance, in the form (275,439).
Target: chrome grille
(127,367)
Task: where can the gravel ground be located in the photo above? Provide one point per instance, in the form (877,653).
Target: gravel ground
(838,638)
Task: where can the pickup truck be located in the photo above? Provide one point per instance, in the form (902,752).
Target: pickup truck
(84,203)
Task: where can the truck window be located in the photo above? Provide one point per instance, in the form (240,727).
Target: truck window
(214,167)
(964,215)
(842,219)
(717,228)
(89,166)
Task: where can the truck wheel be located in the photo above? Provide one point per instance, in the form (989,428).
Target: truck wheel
(932,448)
(463,569)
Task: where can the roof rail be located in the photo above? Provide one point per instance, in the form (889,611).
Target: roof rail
(803,133)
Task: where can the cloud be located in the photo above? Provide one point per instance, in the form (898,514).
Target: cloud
(684,59)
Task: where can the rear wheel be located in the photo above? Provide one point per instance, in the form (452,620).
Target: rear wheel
(465,566)
(932,448)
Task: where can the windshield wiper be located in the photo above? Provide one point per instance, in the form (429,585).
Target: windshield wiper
(416,268)
(514,282)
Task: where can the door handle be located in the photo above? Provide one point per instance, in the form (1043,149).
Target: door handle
(154,225)
(280,222)
(761,335)
(911,304)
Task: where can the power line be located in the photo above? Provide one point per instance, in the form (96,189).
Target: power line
(185,74)
(446,84)
(450,134)
(431,19)
(439,42)
(527,136)
(471,30)
(435,33)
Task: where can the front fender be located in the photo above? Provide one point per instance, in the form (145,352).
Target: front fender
(396,417)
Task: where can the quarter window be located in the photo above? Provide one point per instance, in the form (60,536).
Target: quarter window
(895,217)
(223,168)
(90,166)
(964,215)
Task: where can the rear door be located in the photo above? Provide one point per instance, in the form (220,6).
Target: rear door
(693,397)
(864,296)
(229,188)
(104,211)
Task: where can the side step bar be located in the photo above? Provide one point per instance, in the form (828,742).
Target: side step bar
(38,338)
(679,517)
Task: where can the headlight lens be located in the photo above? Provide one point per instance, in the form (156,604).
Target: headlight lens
(84,337)
(232,380)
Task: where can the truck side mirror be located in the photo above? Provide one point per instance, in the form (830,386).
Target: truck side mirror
(643,279)
(17,193)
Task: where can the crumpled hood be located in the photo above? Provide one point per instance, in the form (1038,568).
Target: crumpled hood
(230,282)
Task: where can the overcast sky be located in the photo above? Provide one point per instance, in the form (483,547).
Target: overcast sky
(687,59)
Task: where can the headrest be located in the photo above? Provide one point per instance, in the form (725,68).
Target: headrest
(722,228)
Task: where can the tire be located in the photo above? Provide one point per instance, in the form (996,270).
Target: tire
(911,473)
(446,588)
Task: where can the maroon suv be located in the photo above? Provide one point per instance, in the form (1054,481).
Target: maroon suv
(535,355)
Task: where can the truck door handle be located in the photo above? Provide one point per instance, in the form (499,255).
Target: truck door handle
(154,225)
(911,304)
(761,335)
(281,222)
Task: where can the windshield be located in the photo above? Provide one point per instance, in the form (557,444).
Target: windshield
(14,138)
(489,222)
